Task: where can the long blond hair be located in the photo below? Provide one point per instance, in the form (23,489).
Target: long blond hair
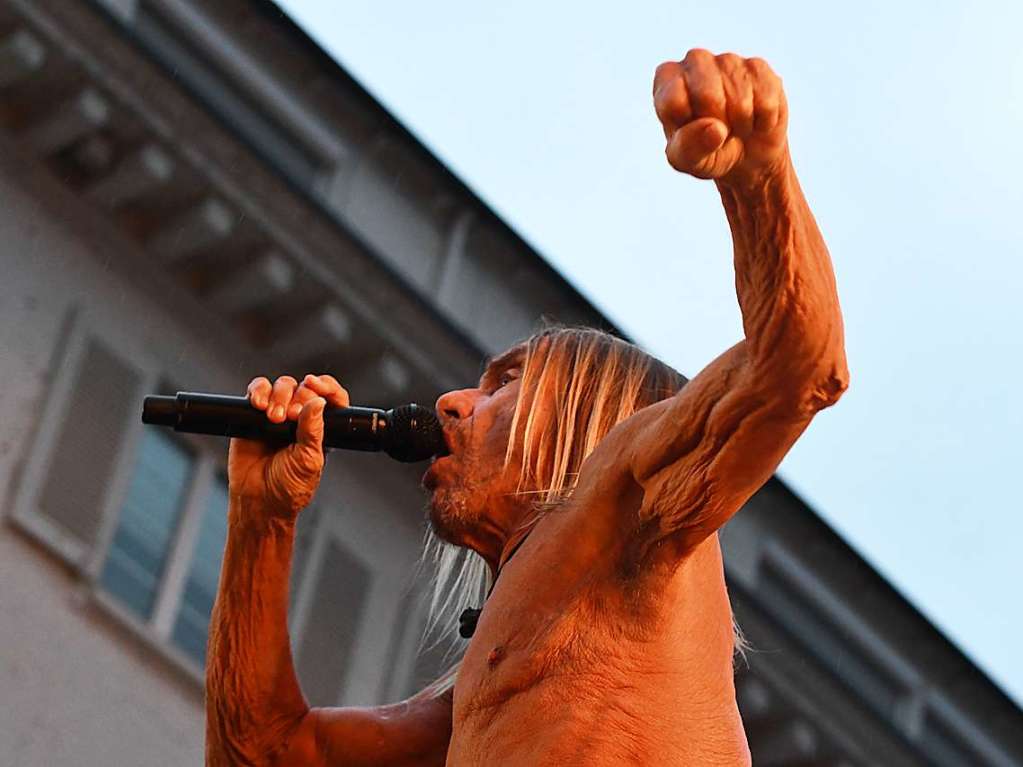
(600,380)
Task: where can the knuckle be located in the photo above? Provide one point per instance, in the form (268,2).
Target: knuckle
(663,74)
(768,103)
(762,71)
(664,70)
(729,60)
(757,63)
(337,388)
(286,380)
(673,100)
(698,55)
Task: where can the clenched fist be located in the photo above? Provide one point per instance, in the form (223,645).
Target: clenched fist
(724,117)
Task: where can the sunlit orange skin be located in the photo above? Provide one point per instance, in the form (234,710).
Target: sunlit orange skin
(582,658)
(607,639)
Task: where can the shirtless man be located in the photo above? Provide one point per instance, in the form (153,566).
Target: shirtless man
(607,638)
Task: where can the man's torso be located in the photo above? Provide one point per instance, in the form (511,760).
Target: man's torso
(583,655)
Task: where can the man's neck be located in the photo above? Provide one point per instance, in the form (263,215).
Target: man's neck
(515,540)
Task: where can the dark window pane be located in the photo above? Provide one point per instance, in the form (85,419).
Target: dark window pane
(146,525)
(193,619)
(328,638)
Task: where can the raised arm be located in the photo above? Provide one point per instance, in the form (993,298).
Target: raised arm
(256,713)
(701,454)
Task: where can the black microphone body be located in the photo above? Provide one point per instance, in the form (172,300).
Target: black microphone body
(408,433)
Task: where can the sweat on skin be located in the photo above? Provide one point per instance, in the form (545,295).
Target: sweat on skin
(607,639)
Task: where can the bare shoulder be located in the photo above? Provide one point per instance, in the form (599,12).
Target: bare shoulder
(609,496)
(412,733)
(608,469)
(606,477)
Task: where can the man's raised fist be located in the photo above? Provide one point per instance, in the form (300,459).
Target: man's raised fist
(724,116)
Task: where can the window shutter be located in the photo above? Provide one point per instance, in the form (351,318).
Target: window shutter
(328,637)
(79,447)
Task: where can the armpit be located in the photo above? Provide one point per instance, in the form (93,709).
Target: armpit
(714,446)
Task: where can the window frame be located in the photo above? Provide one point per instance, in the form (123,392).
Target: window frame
(329,528)
(77,330)
(81,326)
(157,630)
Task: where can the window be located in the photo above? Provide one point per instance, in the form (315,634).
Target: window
(152,508)
(162,564)
(141,514)
(200,590)
(337,602)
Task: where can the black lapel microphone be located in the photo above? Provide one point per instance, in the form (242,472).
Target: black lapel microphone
(409,433)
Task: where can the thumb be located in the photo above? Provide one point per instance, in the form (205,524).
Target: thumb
(692,148)
(309,432)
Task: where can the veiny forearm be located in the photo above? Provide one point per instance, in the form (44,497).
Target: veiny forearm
(786,289)
(253,700)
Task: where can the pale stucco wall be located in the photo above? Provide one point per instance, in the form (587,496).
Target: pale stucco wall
(76,686)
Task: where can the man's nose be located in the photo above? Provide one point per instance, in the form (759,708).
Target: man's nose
(457,404)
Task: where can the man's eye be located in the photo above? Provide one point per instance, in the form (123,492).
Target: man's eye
(505,379)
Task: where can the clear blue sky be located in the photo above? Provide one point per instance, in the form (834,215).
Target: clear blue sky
(905,129)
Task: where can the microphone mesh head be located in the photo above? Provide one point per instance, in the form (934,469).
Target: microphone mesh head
(416,434)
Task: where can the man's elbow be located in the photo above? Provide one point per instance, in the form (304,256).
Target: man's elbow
(827,388)
(805,384)
(236,740)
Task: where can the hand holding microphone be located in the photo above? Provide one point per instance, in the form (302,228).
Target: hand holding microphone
(284,479)
(279,430)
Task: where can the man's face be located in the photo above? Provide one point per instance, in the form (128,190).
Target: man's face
(472,502)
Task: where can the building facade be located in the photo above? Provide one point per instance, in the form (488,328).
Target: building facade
(196,194)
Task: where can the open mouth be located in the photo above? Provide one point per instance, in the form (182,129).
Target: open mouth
(445,448)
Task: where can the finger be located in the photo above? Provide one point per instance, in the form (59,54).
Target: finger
(703,80)
(666,73)
(672,105)
(692,146)
(769,107)
(328,387)
(309,432)
(738,87)
(283,389)
(302,395)
(258,392)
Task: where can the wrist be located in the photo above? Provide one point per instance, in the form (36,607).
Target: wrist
(259,515)
(756,182)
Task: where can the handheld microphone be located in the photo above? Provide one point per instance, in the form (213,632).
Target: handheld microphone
(409,433)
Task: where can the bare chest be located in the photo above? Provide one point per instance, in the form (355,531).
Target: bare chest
(556,607)
(565,643)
